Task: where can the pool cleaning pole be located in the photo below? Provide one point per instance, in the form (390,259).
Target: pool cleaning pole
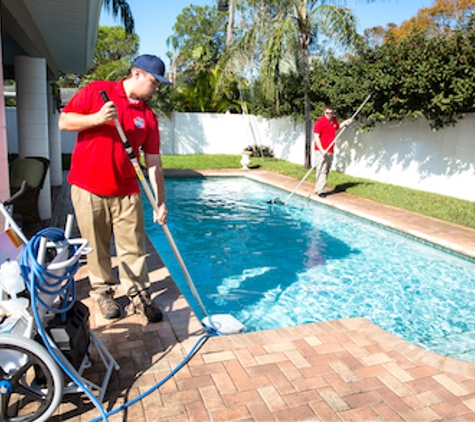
(329,146)
(148,192)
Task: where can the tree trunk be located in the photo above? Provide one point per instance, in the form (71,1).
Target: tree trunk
(308,134)
(229,36)
(308,123)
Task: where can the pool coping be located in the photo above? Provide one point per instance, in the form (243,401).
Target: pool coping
(397,219)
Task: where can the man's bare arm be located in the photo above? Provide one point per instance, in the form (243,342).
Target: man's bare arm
(75,122)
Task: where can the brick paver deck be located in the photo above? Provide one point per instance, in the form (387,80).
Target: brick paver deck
(348,370)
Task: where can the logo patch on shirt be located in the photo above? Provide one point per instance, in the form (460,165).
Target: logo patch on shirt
(139,122)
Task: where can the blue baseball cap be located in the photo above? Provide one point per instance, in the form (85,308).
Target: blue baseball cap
(152,65)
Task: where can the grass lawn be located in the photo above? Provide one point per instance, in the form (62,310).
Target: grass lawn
(438,206)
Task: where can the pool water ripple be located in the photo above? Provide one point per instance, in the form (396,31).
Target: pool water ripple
(275,266)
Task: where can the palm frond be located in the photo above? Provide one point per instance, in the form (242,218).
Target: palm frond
(122,8)
(337,23)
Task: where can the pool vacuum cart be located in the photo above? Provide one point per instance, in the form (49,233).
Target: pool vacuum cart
(45,338)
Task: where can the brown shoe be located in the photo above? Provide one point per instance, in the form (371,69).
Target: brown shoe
(108,306)
(143,304)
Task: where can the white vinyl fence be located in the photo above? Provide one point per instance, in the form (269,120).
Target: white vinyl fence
(406,153)
(410,154)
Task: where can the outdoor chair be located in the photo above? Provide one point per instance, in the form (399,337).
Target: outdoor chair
(33,170)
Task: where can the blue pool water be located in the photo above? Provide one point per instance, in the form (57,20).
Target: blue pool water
(275,266)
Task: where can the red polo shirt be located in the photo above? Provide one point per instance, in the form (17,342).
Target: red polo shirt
(99,162)
(327,131)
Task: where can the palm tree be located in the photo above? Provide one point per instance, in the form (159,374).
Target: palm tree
(121,7)
(283,32)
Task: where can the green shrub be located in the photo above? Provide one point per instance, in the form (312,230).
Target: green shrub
(260,151)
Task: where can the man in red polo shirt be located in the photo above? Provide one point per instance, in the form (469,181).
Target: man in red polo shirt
(105,191)
(324,135)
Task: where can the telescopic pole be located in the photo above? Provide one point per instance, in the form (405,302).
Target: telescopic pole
(149,193)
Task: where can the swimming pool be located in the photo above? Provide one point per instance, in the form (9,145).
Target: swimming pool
(275,266)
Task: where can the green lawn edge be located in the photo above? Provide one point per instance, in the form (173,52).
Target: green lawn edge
(453,210)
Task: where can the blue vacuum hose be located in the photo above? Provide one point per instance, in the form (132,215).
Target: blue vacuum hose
(36,278)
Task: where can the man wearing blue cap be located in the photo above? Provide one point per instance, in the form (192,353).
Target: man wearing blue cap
(105,191)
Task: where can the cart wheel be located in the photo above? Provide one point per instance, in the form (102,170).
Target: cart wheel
(31,383)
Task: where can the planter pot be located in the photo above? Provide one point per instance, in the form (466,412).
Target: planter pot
(245,160)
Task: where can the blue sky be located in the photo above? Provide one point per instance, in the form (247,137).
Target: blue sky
(154,19)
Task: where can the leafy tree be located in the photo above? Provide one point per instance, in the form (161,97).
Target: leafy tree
(425,67)
(201,95)
(412,77)
(419,73)
(113,56)
(375,36)
(198,42)
(114,53)
(286,33)
(444,17)
(416,77)
(197,28)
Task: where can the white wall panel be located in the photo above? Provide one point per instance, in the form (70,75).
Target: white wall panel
(32,118)
(406,153)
